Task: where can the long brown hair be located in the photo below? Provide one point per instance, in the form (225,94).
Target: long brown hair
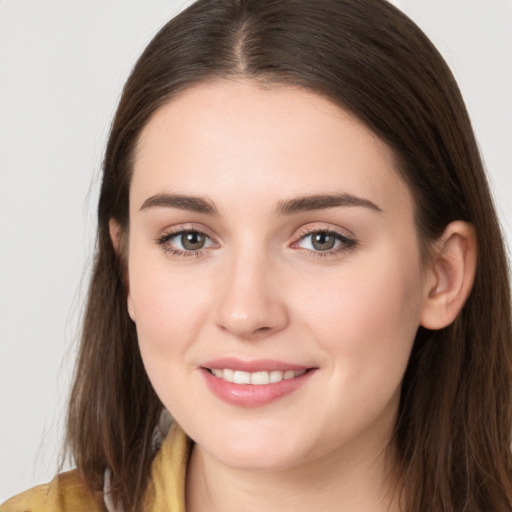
(453,430)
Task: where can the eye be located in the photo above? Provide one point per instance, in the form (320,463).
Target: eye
(191,240)
(325,241)
(185,241)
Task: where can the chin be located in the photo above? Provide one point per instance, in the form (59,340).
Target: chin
(254,451)
(257,460)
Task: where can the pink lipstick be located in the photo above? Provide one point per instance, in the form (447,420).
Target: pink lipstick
(253,383)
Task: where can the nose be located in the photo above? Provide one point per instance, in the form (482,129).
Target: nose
(252,302)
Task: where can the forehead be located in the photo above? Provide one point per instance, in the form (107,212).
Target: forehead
(230,139)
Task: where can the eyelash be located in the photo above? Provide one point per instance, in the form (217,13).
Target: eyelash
(163,242)
(346,243)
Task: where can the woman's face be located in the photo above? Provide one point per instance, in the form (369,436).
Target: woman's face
(272,241)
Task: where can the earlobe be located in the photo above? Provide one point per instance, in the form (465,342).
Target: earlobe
(115,234)
(129,304)
(451,275)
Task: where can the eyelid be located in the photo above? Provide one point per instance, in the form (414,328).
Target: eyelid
(167,234)
(324,227)
(345,237)
(179,228)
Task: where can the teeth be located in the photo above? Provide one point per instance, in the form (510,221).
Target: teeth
(276,376)
(242,377)
(258,378)
(228,375)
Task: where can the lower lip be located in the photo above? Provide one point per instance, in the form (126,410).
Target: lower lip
(251,395)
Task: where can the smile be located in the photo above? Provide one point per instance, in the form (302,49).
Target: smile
(254,383)
(258,378)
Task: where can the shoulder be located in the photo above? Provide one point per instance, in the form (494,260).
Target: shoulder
(66,492)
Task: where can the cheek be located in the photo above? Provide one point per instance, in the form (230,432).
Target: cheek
(364,323)
(169,312)
(367,315)
(169,307)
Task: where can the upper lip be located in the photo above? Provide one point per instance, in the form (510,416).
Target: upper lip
(252,366)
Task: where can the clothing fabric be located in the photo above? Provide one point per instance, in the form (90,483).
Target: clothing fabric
(67,491)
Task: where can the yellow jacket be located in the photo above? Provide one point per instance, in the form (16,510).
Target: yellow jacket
(68,493)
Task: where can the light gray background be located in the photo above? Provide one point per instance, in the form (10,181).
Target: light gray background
(62,67)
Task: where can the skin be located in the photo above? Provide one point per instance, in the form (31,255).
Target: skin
(259,289)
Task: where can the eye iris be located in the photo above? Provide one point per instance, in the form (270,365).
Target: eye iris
(323,241)
(193,241)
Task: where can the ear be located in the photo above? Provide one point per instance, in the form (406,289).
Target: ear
(115,232)
(450,275)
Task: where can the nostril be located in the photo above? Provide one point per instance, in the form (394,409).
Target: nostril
(263,329)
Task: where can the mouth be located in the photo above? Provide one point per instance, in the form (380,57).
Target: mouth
(256,383)
(258,378)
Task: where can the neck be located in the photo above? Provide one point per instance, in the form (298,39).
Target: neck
(350,481)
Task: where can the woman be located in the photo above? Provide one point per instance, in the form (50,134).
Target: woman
(290,216)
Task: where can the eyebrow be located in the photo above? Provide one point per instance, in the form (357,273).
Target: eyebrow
(182,202)
(322,202)
(286,207)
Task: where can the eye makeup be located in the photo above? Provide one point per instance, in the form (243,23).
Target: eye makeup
(314,241)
